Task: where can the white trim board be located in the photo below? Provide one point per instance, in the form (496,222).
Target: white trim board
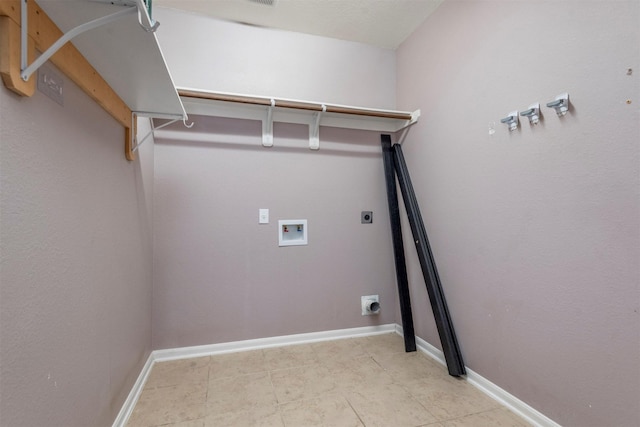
(498,394)
(134,394)
(502,396)
(260,343)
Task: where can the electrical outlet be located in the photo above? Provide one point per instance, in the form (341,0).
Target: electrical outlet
(370,305)
(366,217)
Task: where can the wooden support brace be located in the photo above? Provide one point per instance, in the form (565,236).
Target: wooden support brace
(42,33)
(10,58)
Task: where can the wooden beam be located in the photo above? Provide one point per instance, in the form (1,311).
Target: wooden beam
(10,58)
(43,32)
(128,132)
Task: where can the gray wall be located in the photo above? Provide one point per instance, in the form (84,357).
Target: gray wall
(75,272)
(535,232)
(205,53)
(220,276)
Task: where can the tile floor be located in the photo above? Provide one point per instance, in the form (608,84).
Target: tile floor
(367,381)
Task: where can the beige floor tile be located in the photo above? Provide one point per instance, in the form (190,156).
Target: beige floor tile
(388,405)
(360,381)
(384,344)
(192,423)
(268,416)
(290,356)
(234,364)
(339,350)
(178,372)
(241,393)
(166,405)
(326,411)
(405,367)
(362,372)
(448,398)
(306,382)
(500,417)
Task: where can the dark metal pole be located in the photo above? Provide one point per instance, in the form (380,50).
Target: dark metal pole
(450,347)
(398,245)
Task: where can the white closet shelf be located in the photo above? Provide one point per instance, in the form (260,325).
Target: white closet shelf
(314,114)
(222,104)
(126,56)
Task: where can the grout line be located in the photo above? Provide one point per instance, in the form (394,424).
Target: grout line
(354,410)
(273,388)
(206,396)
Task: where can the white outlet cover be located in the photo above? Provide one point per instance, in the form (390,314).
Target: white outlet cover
(263,216)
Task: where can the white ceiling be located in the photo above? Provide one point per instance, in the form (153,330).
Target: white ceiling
(383,23)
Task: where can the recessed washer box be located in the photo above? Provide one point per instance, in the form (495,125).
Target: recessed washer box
(292,232)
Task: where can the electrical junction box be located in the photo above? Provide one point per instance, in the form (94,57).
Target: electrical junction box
(292,232)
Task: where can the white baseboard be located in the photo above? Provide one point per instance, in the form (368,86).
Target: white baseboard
(237,346)
(134,394)
(255,344)
(502,396)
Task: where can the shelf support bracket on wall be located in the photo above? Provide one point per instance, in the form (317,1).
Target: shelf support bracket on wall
(28,70)
(135,143)
(267,126)
(144,16)
(314,130)
(415,115)
(41,35)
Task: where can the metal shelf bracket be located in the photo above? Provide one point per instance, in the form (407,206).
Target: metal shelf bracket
(314,130)
(135,143)
(267,126)
(27,70)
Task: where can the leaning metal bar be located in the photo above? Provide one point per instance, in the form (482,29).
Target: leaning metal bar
(398,245)
(26,73)
(450,348)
